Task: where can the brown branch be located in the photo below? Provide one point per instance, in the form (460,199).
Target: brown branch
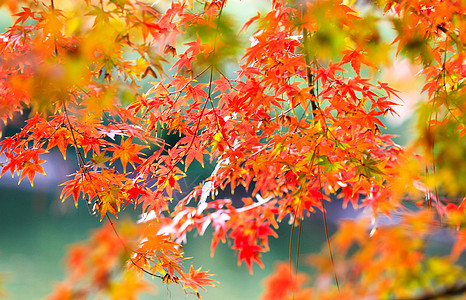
(309,75)
(130,251)
(52,5)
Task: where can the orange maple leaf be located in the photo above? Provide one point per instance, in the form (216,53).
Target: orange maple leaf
(197,279)
(127,152)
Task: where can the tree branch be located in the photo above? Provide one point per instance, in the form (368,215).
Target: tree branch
(309,75)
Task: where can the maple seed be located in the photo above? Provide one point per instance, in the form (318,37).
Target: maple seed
(169,50)
(150,71)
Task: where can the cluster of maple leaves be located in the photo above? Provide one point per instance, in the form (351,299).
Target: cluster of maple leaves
(299,124)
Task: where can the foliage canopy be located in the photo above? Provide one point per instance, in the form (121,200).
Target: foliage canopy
(298,122)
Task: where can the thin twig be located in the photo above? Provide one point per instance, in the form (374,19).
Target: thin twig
(327,236)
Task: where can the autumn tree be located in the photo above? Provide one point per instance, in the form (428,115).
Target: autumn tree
(300,122)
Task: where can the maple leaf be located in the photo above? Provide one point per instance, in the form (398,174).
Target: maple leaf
(157,242)
(460,245)
(356,57)
(72,187)
(249,252)
(77,260)
(109,201)
(194,153)
(194,47)
(183,61)
(389,90)
(259,127)
(250,21)
(98,161)
(283,282)
(30,169)
(23,16)
(127,152)
(196,279)
(153,201)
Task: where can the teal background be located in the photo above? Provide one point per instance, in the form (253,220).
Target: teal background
(35,236)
